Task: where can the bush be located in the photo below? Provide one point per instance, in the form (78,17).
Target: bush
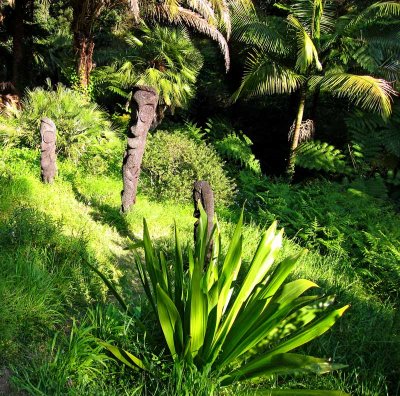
(82,128)
(172,162)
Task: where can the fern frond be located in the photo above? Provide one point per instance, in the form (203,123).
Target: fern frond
(320,156)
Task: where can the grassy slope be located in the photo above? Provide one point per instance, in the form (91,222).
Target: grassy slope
(48,232)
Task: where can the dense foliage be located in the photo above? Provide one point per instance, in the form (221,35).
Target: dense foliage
(82,128)
(246,91)
(173,162)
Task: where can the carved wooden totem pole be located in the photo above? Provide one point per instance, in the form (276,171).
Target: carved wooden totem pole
(203,193)
(48,149)
(143,106)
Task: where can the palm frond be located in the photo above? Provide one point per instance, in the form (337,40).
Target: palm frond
(205,9)
(316,16)
(267,35)
(192,19)
(372,14)
(369,93)
(307,53)
(263,76)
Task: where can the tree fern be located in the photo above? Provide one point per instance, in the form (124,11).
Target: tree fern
(373,139)
(375,187)
(320,156)
(234,146)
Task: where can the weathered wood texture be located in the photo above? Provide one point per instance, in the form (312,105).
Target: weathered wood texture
(48,161)
(143,105)
(203,193)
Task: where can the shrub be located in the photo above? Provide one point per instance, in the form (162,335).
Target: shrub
(82,128)
(172,162)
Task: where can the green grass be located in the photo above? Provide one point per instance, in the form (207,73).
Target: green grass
(48,233)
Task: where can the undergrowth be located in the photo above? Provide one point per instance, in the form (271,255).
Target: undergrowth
(52,307)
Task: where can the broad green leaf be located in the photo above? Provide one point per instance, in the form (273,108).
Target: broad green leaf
(256,325)
(285,363)
(263,259)
(165,282)
(313,330)
(282,271)
(145,282)
(170,321)
(230,268)
(198,310)
(124,356)
(149,255)
(178,269)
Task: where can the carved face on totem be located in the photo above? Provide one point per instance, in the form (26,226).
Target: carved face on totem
(48,131)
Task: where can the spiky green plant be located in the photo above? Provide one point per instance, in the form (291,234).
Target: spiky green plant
(230,329)
(305,52)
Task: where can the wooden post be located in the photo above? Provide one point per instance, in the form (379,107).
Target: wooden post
(48,148)
(203,193)
(143,109)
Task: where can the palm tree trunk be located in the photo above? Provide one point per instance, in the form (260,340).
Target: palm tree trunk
(18,45)
(143,109)
(84,47)
(296,134)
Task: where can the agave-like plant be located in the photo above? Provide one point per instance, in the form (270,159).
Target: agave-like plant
(237,325)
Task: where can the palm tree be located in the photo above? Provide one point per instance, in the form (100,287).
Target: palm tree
(201,15)
(160,57)
(297,54)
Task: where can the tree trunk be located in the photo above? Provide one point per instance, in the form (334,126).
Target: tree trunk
(18,45)
(143,109)
(296,134)
(84,47)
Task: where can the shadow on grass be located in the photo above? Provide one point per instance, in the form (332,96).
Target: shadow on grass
(43,270)
(365,338)
(105,214)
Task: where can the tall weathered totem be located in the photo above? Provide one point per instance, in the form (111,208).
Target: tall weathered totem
(48,149)
(143,109)
(203,194)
